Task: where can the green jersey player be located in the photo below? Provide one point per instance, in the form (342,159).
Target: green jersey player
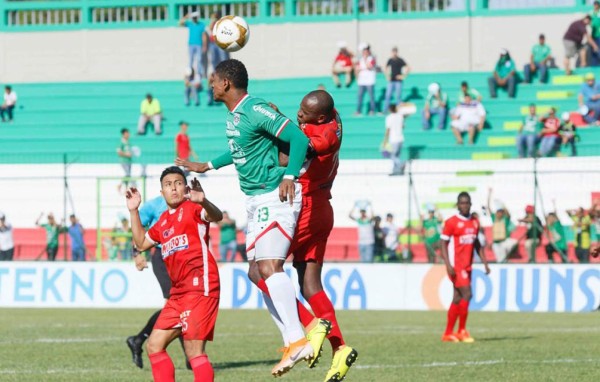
(253,130)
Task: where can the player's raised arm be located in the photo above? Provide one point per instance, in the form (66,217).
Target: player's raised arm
(197,195)
(222,160)
(134,199)
(298,146)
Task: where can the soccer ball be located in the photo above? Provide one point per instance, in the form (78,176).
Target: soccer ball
(231,33)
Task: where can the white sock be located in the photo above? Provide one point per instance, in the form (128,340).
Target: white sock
(276,318)
(283,296)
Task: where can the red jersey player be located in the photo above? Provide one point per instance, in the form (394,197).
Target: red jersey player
(462,230)
(321,123)
(191,310)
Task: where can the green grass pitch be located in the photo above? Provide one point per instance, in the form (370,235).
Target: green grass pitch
(89,345)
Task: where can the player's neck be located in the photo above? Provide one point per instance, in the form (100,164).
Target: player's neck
(235,98)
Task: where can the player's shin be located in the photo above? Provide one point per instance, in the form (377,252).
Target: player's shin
(304,314)
(203,370)
(163,369)
(452,316)
(463,313)
(283,295)
(323,308)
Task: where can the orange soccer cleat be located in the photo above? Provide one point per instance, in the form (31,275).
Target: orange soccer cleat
(452,337)
(465,337)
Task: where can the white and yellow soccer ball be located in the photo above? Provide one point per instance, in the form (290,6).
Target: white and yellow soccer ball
(231,33)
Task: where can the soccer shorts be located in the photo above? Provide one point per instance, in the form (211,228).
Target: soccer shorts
(194,313)
(462,278)
(312,231)
(271,224)
(160,271)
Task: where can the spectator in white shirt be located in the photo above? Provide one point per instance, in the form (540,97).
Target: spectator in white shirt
(366,73)
(469,118)
(394,134)
(391,236)
(10,101)
(7,245)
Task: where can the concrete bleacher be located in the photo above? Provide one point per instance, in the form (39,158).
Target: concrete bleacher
(84,119)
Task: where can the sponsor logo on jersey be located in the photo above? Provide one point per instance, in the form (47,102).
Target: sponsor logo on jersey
(163,223)
(230,131)
(263,111)
(168,232)
(177,243)
(180,215)
(195,281)
(236,119)
(467,239)
(460,224)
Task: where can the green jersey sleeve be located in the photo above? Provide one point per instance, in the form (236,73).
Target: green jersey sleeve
(282,128)
(222,160)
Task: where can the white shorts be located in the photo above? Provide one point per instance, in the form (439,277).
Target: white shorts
(271,224)
(463,125)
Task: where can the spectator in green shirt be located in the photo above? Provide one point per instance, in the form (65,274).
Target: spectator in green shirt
(505,75)
(150,112)
(582,227)
(539,60)
(528,133)
(556,238)
(53,230)
(534,231)
(228,243)
(466,89)
(436,103)
(431,232)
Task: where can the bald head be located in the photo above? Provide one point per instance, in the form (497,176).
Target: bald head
(317,107)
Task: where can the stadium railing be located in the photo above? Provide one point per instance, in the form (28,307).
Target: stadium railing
(28,15)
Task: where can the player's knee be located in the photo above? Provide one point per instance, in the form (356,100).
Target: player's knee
(309,289)
(153,346)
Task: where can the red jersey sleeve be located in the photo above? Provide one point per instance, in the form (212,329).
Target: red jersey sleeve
(199,213)
(153,233)
(448,230)
(324,139)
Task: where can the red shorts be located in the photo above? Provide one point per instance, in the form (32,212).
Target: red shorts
(315,223)
(194,313)
(462,278)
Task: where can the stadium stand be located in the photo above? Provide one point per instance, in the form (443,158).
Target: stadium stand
(83,119)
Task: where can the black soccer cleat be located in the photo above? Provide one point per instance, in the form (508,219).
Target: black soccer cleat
(136,351)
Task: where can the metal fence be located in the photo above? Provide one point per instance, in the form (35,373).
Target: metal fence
(77,14)
(549,185)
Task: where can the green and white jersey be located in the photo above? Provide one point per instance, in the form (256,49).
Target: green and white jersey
(252,131)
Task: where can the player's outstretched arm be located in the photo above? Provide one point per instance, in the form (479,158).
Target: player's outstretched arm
(298,146)
(197,195)
(134,199)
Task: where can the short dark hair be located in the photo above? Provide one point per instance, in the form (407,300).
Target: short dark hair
(588,17)
(72,216)
(172,170)
(124,130)
(389,215)
(596,3)
(465,84)
(234,71)
(8,87)
(542,36)
(532,105)
(464,194)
